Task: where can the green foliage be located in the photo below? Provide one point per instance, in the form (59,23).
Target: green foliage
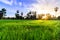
(3,11)
(29,30)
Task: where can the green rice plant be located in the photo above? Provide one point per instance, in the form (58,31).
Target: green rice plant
(29,30)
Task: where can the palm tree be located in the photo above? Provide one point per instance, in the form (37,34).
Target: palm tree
(17,11)
(56,9)
(29,15)
(17,15)
(3,11)
(21,13)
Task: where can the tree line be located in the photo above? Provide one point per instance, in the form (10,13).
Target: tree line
(30,15)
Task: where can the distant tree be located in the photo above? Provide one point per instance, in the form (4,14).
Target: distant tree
(12,18)
(31,15)
(17,11)
(17,14)
(21,13)
(1,14)
(3,11)
(34,15)
(21,17)
(58,17)
(40,16)
(8,18)
(56,9)
(48,16)
(28,15)
(53,17)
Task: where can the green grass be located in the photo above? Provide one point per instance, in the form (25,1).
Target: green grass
(29,30)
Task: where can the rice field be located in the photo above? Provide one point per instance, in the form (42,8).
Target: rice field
(29,29)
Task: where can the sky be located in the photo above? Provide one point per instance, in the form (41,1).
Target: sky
(40,6)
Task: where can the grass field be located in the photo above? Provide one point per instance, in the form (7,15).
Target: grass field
(29,30)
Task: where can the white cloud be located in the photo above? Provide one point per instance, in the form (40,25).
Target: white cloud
(7,2)
(15,2)
(11,2)
(43,6)
(20,3)
(43,1)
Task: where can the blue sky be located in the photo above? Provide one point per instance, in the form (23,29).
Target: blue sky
(28,5)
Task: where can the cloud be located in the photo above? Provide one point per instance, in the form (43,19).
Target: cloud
(41,4)
(44,6)
(11,2)
(7,2)
(15,2)
(20,3)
